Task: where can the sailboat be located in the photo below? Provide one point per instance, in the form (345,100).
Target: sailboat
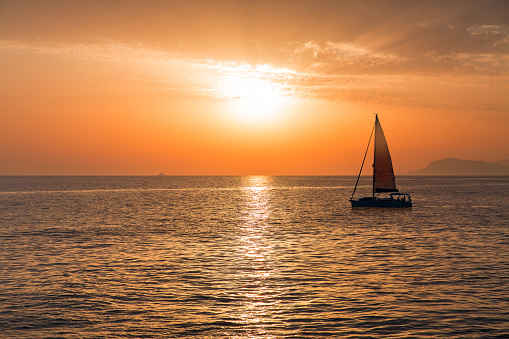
(384,192)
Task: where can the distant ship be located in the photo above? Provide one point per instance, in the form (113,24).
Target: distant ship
(383,176)
(161,174)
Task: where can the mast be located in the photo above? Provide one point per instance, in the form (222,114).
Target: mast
(362,165)
(374,157)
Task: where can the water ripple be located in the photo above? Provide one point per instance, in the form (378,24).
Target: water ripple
(255,257)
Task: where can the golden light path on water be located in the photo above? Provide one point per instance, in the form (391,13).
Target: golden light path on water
(257,252)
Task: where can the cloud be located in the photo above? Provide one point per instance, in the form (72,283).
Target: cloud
(339,58)
(329,71)
(258,28)
(357,50)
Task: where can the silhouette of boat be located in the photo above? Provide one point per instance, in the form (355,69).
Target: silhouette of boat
(384,181)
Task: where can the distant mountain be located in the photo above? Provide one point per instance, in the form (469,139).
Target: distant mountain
(452,166)
(504,162)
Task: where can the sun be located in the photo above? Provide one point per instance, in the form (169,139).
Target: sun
(255,100)
(256,95)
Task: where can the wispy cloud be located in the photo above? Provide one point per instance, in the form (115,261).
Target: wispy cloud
(325,71)
(340,58)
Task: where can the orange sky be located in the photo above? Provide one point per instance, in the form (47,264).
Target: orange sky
(249,87)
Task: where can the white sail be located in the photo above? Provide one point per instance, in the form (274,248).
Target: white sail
(383,176)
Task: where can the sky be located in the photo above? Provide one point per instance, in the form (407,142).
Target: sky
(249,87)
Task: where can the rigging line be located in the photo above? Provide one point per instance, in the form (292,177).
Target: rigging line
(362,165)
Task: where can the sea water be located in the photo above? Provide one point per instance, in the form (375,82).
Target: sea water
(252,257)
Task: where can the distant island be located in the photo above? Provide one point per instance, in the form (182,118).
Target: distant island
(453,166)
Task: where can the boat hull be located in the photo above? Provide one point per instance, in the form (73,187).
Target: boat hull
(380,202)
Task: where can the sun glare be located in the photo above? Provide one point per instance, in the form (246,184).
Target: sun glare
(257,94)
(255,99)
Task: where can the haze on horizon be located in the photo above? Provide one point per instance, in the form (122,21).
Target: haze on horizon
(249,87)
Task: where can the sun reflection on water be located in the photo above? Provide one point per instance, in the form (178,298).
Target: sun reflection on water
(257,252)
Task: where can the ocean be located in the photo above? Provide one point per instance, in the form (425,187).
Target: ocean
(252,257)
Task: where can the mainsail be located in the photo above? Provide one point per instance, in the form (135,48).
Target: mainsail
(383,175)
